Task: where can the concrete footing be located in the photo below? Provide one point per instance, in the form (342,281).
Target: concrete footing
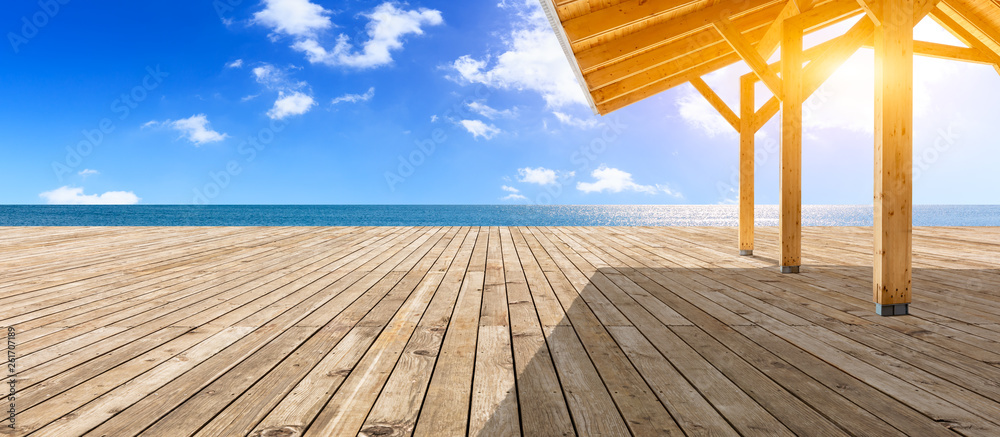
(789,269)
(899,309)
(746,252)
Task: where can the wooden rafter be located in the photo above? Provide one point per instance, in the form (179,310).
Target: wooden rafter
(637,86)
(950,52)
(667,83)
(677,50)
(965,36)
(872,8)
(659,33)
(723,109)
(749,55)
(977,22)
(772,38)
(608,19)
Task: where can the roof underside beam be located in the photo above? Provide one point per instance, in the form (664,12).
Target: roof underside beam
(627,86)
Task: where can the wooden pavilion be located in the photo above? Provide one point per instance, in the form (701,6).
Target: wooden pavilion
(624,51)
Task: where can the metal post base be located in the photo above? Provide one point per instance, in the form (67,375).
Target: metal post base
(746,252)
(899,309)
(789,269)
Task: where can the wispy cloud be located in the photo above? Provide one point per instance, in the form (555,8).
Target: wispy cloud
(570,120)
(513,193)
(88,172)
(275,78)
(235,64)
(74,196)
(479,129)
(613,180)
(355,98)
(490,113)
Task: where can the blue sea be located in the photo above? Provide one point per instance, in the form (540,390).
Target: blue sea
(469,215)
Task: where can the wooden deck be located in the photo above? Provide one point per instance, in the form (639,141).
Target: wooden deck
(494,332)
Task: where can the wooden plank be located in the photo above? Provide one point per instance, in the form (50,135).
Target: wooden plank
(142,414)
(399,403)
(893,154)
(494,409)
(593,410)
(446,405)
(542,404)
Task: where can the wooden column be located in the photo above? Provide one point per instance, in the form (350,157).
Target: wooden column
(747,129)
(893,157)
(790,201)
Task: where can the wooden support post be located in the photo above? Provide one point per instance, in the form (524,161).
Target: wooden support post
(790,201)
(748,127)
(893,157)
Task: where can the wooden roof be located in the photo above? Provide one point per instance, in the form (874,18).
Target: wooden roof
(624,51)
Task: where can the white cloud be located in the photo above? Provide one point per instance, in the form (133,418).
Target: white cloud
(74,196)
(614,180)
(542,175)
(249,98)
(354,98)
(490,113)
(195,129)
(479,129)
(387,26)
(570,120)
(88,172)
(513,197)
(300,18)
(434,119)
(509,189)
(235,64)
(533,61)
(296,103)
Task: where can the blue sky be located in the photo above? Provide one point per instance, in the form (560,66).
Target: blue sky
(426,102)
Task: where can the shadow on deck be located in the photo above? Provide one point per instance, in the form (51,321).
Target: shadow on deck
(687,351)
